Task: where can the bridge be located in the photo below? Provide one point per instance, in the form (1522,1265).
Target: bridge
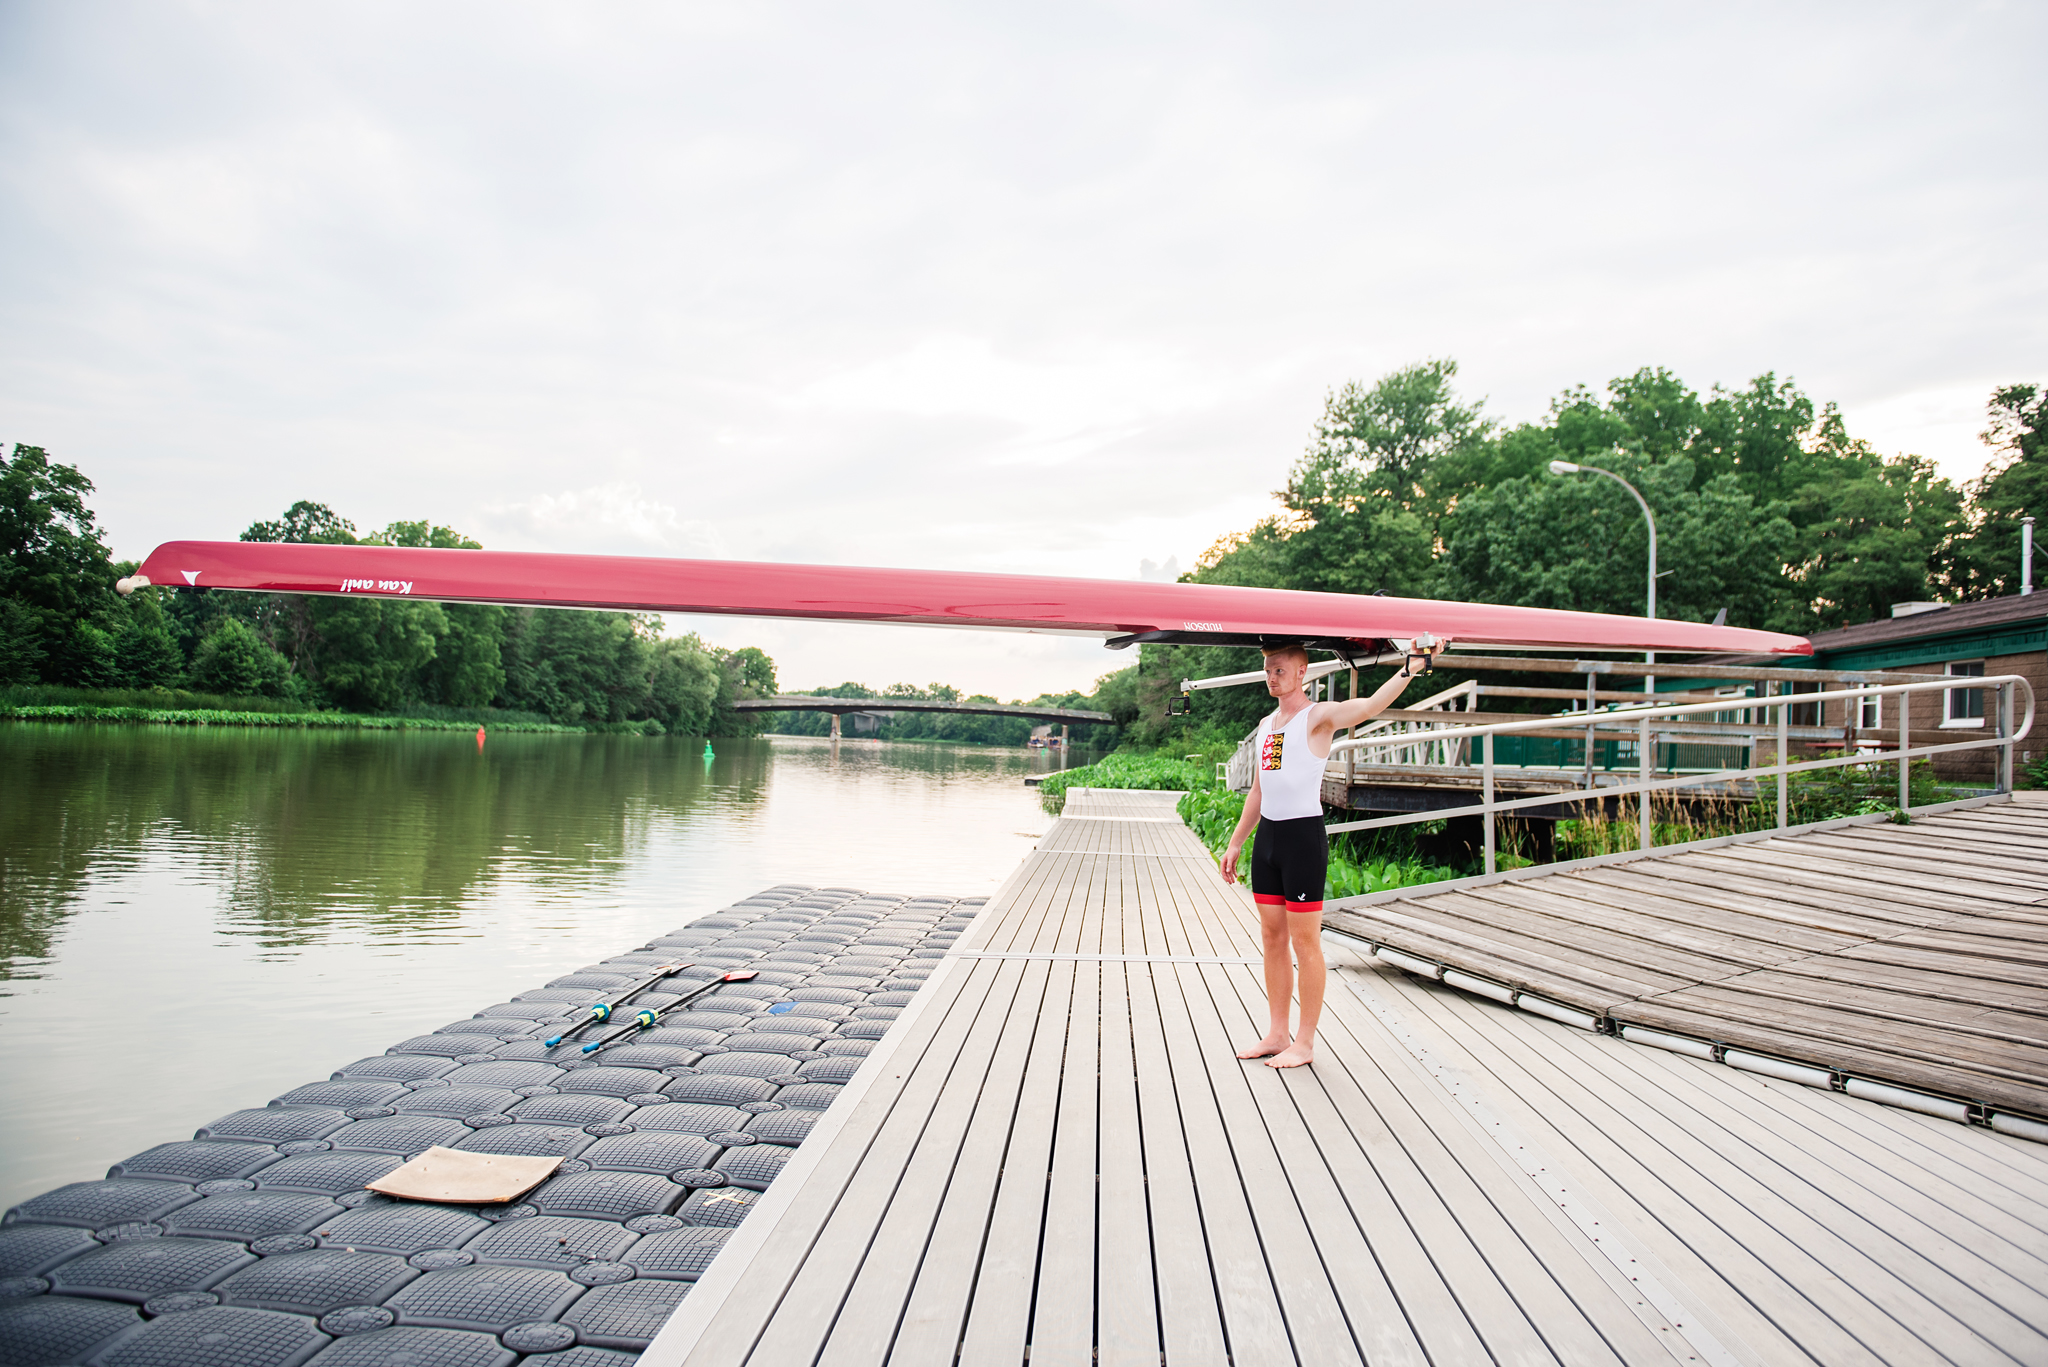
(805,702)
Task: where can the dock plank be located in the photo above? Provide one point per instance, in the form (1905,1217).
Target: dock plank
(1127,1331)
(1061,1160)
(1893,959)
(1728,1178)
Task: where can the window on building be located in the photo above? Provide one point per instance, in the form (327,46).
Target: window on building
(1869,712)
(1806,713)
(1963,706)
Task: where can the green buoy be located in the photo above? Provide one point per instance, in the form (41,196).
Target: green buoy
(707,751)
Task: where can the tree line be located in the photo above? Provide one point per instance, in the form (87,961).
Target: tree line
(62,623)
(1768,511)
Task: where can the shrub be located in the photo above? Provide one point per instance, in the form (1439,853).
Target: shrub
(234,659)
(1155,772)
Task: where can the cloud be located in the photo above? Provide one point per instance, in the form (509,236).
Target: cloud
(1052,289)
(1165,573)
(615,517)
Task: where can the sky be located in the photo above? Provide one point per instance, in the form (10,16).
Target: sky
(1047,288)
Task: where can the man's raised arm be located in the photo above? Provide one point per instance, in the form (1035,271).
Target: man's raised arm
(1341,716)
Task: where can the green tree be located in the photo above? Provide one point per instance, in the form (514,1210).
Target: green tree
(373,652)
(305,522)
(578,666)
(1117,694)
(87,656)
(743,673)
(56,570)
(1759,435)
(1385,439)
(468,668)
(1872,531)
(683,685)
(234,660)
(1580,543)
(1377,547)
(21,643)
(148,657)
(1986,563)
(423,534)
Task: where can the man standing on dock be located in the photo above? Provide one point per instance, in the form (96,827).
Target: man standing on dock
(1291,856)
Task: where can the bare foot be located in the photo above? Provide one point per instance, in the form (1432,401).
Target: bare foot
(1272,1044)
(1293,1057)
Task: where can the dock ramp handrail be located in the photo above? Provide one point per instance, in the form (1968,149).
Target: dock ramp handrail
(2001,732)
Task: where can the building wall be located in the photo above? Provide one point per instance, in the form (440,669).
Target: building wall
(2014,646)
(1974,767)
(1925,726)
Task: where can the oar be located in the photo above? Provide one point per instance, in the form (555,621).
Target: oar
(645,1019)
(603,1010)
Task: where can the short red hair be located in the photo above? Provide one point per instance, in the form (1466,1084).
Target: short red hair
(1291,648)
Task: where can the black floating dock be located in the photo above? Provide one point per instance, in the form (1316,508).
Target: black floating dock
(256,1243)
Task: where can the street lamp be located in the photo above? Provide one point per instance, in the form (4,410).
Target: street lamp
(1565,467)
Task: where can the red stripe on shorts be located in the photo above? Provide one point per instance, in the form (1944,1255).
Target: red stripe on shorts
(1271,899)
(1303,906)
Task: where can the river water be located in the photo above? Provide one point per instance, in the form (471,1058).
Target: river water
(195,920)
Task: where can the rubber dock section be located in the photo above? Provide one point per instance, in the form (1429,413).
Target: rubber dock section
(255,1244)
(1910,956)
(1055,1158)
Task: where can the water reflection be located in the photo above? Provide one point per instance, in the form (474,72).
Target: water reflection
(274,904)
(302,827)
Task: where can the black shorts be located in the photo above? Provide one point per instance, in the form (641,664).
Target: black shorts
(1289,862)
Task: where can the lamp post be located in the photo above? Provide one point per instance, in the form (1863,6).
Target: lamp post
(1565,467)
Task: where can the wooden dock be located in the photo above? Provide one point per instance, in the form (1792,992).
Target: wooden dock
(1056,1158)
(1912,955)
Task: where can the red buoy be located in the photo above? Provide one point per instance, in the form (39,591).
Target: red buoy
(479,738)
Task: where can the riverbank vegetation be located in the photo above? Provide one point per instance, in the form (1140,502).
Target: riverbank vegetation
(221,716)
(63,626)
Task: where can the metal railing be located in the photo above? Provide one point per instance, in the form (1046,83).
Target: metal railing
(1434,750)
(1639,723)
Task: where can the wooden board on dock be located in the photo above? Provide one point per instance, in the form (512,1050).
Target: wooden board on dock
(1915,955)
(1056,1158)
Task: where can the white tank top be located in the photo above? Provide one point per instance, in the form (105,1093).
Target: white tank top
(1290,778)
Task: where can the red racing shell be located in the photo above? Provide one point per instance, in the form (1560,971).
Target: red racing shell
(1121,612)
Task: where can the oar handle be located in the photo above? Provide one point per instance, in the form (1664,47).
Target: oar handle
(647,1017)
(642,1021)
(601,1012)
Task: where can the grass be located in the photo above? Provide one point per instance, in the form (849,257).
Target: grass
(1820,795)
(1122,770)
(176,716)
(181,707)
(171,699)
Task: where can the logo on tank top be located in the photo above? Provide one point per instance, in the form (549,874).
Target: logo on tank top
(1269,752)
